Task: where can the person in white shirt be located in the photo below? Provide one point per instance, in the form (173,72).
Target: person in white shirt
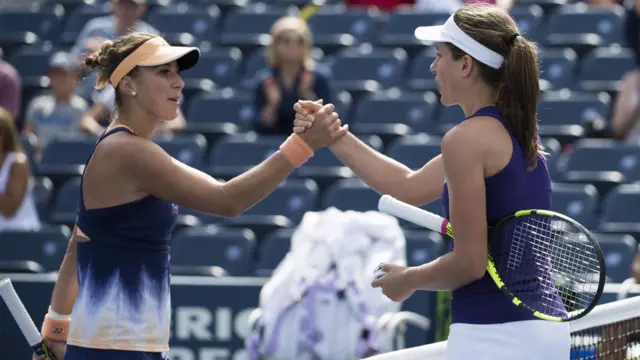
(17,206)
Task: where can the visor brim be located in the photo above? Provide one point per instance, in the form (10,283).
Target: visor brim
(187,57)
(430,33)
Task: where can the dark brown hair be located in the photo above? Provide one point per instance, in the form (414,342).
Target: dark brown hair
(8,133)
(107,59)
(517,81)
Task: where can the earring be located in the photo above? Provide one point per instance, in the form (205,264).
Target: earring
(133,93)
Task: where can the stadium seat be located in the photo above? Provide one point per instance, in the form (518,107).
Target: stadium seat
(11,42)
(189,149)
(420,77)
(46,23)
(360,69)
(393,113)
(64,157)
(65,207)
(584,27)
(199,21)
(399,29)
(620,210)
(350,194)
(43,193)
(231,249)
(80,16)
(563,114)
(605,163)
(272,251)
(421,247)
(558,67)
(245,27)
(335,28)
(619,251)
(219,113)
(234,154)
(577,201)
(325,168)
(220,65)
(603,69)
(448,117)
(29,144)
(32,62)
(415,151)
(46,247)
(528,18)
(254,64)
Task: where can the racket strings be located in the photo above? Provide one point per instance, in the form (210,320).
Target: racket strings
(550,265)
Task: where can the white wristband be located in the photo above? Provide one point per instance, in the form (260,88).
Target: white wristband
(55,316)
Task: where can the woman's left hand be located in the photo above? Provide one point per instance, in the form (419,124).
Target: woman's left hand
(396,284)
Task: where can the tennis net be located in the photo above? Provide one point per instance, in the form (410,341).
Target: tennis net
(610,332)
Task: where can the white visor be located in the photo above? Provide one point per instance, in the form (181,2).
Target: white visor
(451,33)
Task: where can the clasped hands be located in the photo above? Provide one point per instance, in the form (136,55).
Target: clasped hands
(319,122)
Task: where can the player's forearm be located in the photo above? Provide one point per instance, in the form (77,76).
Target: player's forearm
(445,273)
(246,190)
(66,287)
(382,173)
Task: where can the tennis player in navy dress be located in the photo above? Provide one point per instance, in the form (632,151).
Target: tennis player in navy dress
(491,165)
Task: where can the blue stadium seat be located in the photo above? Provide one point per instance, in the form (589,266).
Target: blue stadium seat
(253,65)
(29,144)
(354,69)
(582,27)
(189,149)
(449,117)
(220,112)
(399,30)
(620,210)
(528,18)
(46,246)
(325,168)
(335,27)
(220,65)
(65,207)
(64,157)
(579,202)
(46,23)
(231,249)
(32,62)
(12,42)
(385,113)
(420,77)
(291,199)
(79,18)
(563,114)
(350,194)
(603,68)
(201,22)
(558,67)
(245,27)
(415,151)
(234,154)
(42,193)
(619,251)
(421,247)
(605,163)
(272,250)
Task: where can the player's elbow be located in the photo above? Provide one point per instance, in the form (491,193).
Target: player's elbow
(473,268)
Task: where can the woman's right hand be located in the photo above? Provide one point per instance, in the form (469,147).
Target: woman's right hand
(57,348)
(324,124)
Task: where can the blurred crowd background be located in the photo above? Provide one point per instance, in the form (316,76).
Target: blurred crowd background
(261,56)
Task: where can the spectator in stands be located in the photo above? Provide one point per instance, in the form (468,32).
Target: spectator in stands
(95,120)
(17,207)
(291,75)
(10,87)
(126,17)
(60,111)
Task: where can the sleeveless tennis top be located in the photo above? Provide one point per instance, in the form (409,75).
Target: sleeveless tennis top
(513,188)
(123,300)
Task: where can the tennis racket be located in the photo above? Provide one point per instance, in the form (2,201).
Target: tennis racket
(553,267)
(24,321)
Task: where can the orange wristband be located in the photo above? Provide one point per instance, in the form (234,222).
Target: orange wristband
(56,330)
(296,150)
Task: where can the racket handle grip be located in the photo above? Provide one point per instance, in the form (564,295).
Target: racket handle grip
(42,349)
